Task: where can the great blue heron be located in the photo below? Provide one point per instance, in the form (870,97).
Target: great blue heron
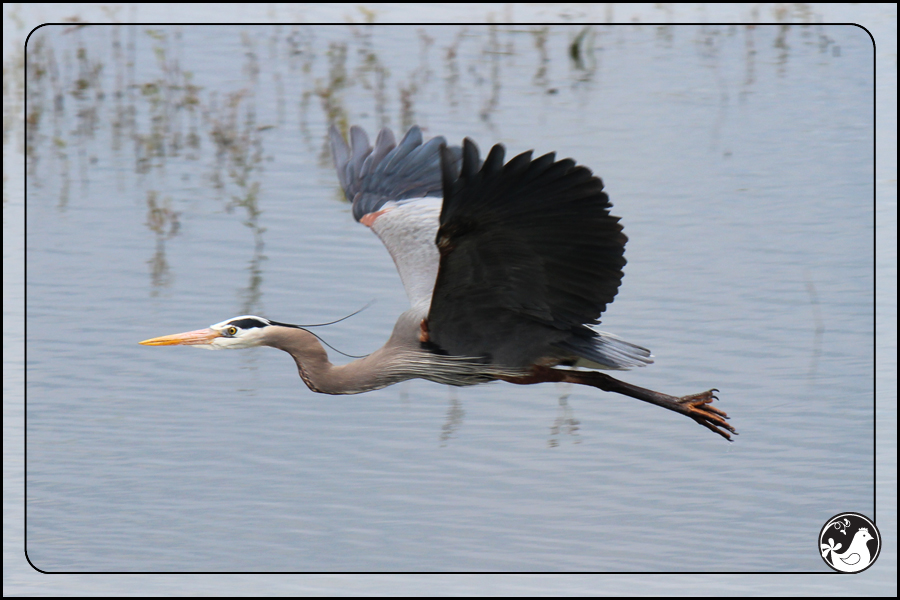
(505,266)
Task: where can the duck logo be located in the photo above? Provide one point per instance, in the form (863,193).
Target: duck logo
(849,543)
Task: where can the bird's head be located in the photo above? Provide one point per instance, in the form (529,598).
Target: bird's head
(245,331)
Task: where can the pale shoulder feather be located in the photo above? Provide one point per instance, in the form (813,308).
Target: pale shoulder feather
(408,230)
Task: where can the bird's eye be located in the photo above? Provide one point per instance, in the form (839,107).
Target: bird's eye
(231,330)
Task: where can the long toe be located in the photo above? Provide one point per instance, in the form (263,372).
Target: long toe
(700,409)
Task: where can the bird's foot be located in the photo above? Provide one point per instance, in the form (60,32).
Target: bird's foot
(699,407)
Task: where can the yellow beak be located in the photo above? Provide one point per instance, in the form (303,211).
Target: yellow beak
(188,338)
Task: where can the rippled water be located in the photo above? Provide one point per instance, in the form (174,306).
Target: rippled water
(178,176)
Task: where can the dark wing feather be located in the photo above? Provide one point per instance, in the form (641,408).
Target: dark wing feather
(529,255)
(370,177)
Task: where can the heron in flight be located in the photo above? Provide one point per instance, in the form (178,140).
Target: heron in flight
(506,265)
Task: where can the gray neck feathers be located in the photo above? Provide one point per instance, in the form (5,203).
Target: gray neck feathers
(390,364)
(362,375)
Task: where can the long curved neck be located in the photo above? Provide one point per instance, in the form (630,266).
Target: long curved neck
(317,372)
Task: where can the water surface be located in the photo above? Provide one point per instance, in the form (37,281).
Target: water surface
(178,176)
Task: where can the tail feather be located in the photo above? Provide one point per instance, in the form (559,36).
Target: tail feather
(607,351)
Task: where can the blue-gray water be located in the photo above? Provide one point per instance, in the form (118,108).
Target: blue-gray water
(178,176)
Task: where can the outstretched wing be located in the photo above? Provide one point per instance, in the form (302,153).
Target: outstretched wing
(396,190)
(529,254)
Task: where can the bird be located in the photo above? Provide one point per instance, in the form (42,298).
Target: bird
(855,558)
(507,265)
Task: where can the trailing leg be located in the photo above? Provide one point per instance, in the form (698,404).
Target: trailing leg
(696,406)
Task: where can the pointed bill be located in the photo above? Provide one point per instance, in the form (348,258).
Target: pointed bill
(189,338)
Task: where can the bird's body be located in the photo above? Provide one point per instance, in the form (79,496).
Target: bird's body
(398,360)
(506,266)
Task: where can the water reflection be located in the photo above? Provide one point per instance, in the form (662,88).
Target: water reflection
(163,111)
(565,423)
(539,35)
(79,74)
(454,418)
(583,55)
(163,221)
(171,94)
(238,170)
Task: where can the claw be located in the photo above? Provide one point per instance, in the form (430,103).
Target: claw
(700,409)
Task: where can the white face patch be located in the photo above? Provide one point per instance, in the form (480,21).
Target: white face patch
(245,331)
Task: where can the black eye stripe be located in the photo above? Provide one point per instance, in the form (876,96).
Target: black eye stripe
(248,323)
(284,324)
